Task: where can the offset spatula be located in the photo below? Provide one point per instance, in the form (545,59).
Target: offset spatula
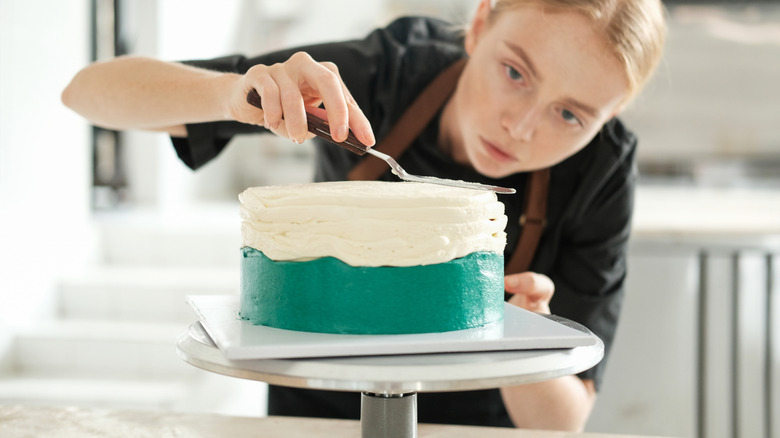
(320,128)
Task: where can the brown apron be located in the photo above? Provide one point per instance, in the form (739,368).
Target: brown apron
(409,127)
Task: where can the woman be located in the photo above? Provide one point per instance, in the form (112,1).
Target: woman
(541,86)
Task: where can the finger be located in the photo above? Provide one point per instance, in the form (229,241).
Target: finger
(543,285)
(518,300)
(531,291)
(518,283)
(328,84)
(272,107)
(534,305)
(358,122)
(281,130)
(529,283)
(258,78)
(292,107)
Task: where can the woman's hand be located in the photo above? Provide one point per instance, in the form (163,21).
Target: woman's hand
(291,88)
(530,290)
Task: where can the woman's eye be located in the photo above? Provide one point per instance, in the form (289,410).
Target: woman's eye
(569,117)
(513,74)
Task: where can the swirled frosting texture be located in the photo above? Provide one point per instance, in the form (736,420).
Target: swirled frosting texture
(371,223)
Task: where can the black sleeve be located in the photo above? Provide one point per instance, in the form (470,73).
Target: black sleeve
(590,267)
(383,72)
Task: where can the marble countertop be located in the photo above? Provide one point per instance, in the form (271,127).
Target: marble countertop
(50,422)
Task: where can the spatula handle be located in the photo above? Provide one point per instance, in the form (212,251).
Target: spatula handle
(318,127)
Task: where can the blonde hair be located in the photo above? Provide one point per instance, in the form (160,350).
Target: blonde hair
(634,30)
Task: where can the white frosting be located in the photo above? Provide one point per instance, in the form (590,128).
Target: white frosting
(371,223)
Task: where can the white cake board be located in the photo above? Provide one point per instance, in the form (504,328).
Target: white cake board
(239,339)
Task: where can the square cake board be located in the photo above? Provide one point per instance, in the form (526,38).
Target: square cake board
(239,339)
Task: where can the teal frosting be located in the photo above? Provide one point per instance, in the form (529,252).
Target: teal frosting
(327,295)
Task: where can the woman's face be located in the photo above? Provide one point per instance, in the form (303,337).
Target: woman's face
(538,86)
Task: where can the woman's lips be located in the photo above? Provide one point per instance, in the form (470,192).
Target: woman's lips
(497,153)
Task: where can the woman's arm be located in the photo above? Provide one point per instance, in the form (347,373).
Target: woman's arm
(147,94)
(558,404)
(143,93)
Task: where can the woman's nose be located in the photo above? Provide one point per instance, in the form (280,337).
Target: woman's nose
(521,121)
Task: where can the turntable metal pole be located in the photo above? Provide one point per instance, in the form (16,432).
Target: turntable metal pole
(388,415)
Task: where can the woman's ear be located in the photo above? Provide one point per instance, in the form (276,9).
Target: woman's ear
(478,24)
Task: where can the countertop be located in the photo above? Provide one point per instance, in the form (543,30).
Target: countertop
(49,422)
(707,215)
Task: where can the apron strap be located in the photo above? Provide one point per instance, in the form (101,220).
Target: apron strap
(532,220)
(410,126)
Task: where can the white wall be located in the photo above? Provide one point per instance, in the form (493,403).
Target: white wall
(715,95)
(44,155)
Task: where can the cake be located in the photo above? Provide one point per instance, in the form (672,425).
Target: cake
(370,257)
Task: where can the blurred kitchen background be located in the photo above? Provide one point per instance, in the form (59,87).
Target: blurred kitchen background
(103,234)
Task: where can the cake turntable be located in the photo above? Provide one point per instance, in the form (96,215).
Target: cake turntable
(388,378)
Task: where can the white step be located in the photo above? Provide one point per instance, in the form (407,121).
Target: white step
(137,293)
(104,393)
(203,237)
(212,393)
(100,349)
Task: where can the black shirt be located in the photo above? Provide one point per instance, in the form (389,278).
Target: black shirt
(583,248)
